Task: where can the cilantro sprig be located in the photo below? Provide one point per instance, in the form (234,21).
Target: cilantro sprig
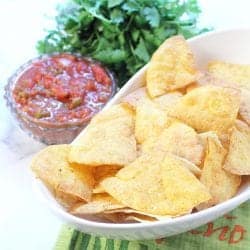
(122,34)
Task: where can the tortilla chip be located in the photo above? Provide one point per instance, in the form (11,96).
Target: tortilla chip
(171,67)
(192,86)
(126,218)
(118,111)
(241,126)
(207,78)
(208,108)
(99,204)
(178,139)
(68,181)
(221,184)
(65,199)
(157,185)
(238,157)
(129,211)
(238,74)
(166,101)
(135,97)
(107,140)
(131,216)
(98,189)
(150,120)
(210,134)
(138,218)
(102,172)
(244,110)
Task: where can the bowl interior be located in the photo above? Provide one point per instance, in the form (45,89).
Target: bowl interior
(231,46)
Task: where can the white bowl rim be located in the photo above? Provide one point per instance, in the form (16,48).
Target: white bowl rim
(234,201)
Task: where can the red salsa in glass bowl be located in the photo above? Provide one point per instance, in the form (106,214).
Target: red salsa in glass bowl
(55,96)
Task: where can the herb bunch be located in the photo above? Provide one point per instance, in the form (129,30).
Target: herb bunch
(122,34)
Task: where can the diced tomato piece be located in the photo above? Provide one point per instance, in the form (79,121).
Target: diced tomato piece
(38,77)
(47,81)
(29,83)
(60,93)
(82,113)
(102,98)
(100,74)
(90,85)
(81,67)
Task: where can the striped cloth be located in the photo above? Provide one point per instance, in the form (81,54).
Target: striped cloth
(232,231)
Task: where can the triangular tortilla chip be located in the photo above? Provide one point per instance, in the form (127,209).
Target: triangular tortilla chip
(244,110)
(99,204)
(102,172)
(108,140)
(135,97)
(238,74)
(171,67)
(238,157)
(208,108)
(150,120)
(178,139)
(166,101)
(221,184)
(160,186)
(65,179)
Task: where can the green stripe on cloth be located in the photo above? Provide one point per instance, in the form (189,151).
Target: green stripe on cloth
(109,244)
(85,241)
(231,231)
(73,240)
(124,245)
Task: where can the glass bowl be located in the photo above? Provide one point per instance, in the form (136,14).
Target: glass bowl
(41,130)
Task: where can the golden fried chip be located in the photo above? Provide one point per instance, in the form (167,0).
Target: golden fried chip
(66,180)
(208,108)
(98,189)
(135,97)
(131,211)
(192,86)
(210,134)
(102,172)
(131,216)
(171,67)
(241,126)
(160,186)
(99,204)
(207,78)
(107,140)
(119,111)
(244,110)
(150,120)
(238,157)
(166,101)
(138,218)
(238,74)
(178,139)
(65,199)
(221,184)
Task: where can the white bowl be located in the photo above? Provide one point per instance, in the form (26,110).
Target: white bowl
(230,45)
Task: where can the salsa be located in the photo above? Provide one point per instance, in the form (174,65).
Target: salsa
(63,88)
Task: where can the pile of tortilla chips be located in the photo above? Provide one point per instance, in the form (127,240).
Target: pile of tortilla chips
(179,144)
